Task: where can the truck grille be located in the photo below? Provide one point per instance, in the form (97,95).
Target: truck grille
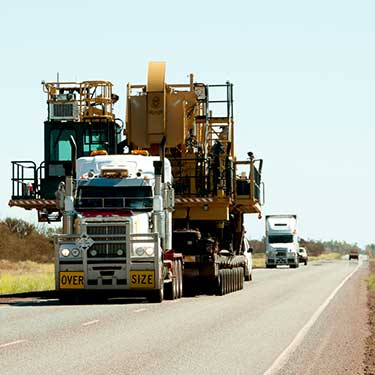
(105,232)
(111,235)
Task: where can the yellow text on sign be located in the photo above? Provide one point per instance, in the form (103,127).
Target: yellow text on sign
(142,279)
(71,280)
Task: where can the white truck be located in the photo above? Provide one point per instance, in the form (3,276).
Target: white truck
(117,230)
(281,241)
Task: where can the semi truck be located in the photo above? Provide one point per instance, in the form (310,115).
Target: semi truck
(281,241)
(147,205)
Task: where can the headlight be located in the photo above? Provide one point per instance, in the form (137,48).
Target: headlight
(76,252)
(65,252)
(140,251)
(149,251)
(144,251)
(93,252)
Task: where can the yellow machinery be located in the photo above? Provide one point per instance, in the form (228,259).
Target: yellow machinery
(213,190)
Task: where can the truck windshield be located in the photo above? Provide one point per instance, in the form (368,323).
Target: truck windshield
(280,238)
(129,197)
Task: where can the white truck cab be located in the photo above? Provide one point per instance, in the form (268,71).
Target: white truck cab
(281,241)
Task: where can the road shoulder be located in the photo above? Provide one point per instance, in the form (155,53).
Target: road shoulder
(336,343)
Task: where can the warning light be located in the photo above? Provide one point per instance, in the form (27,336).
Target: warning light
(140,152)
(98,152)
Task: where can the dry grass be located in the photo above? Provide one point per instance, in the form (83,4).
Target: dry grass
(326,256)
(26,258)
(21,277)
(34,246)
(259,259)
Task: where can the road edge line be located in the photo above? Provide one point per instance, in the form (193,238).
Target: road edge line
(12,343)
(282,359)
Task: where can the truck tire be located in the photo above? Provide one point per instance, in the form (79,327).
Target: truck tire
(242,278)
(180,279)
(69,299)
(232,280)
(248,277)
(157,295)
(238,276)
(220,283)
(227,281)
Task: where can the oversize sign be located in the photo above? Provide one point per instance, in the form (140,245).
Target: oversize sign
(142,279)
(71,280)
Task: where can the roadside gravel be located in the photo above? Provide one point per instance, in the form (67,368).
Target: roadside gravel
(369,360)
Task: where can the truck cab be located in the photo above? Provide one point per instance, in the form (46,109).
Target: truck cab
(281,241)
(116,230)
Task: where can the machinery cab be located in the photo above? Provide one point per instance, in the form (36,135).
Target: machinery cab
(83,111)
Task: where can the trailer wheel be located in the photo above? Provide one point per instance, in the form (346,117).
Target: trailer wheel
(236,279)
(241,278)
(220,283)
(225,279)
(230,280)
(239,273)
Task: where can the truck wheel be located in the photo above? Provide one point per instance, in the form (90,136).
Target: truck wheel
(241,278)
(219,286)
(180,279)
(236,278)
(238,281)
(157,295)
(248,276)
(69,299)
(232,280)
(220,283)
(226,284)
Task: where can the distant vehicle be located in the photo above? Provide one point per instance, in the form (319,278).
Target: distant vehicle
(302,255)
(281,241)
(354,254)
(248,252)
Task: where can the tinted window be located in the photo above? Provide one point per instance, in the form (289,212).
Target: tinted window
(281,238)
(130,197)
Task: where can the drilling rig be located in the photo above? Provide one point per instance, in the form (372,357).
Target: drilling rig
(213,190)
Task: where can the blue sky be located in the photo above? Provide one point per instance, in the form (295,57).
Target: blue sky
(303,74)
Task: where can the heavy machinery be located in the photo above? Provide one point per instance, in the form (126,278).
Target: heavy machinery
(213,190)
(83,110)
(171,204)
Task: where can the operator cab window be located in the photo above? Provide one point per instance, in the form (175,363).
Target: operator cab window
(60,149)
(94,139)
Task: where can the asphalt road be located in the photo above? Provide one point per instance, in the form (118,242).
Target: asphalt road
(247,332)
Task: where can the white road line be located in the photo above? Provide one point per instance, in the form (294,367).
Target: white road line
(282,359)
(139,310)
(12,343)
(90,323)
